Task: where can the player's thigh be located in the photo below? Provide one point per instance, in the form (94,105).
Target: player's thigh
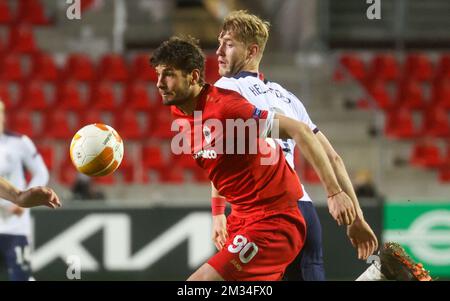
(17,258)
(260,251)
(205,273)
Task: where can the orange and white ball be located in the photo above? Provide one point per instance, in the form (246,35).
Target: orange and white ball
(96,150)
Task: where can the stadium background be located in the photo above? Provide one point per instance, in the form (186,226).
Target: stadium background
(378,88)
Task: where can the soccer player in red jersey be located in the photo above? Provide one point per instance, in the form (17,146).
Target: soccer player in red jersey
(266,229)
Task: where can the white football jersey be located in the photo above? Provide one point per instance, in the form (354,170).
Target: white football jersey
(270,96)
(17,154)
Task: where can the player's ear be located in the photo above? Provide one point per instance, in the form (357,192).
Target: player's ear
(253,50)
(195,76)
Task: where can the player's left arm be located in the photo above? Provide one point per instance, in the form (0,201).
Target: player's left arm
(33,163)
(340,205)
(36,196)
(360,233)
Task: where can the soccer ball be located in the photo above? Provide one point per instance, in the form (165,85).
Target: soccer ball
(96,150)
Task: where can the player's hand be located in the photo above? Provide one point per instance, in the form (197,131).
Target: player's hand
(16,210)
(219,231)
(38,196)
(362,238)
(342,209)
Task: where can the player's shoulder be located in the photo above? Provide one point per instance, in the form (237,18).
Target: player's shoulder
(219,95)
(14,136)
(19,140)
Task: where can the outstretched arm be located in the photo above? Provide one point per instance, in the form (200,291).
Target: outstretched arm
(36,196)
(360,234)
(340,205)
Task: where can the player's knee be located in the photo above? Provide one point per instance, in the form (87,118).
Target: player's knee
(205,273)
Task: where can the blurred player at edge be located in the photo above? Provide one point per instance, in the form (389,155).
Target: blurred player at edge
(17,152)
(266,229)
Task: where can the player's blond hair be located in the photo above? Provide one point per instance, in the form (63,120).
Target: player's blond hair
(247,28)
(2,105)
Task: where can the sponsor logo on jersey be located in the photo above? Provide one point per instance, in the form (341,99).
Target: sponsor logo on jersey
(206,154)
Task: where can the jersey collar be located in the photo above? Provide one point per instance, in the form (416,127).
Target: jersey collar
(243,74)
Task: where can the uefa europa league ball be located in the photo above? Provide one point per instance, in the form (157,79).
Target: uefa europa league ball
(96,150)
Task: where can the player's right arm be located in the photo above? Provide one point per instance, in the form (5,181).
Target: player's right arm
(219,233)
(339,203)
(36,196)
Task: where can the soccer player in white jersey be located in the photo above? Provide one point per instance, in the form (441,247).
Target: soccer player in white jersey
(35,196)
(241,45)
(17,152)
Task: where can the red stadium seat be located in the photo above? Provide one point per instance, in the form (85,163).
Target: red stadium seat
(127,124)
(21,39)
(5,96)
(113,67)
(68,97)
(6,16)
(200,176)
(79,67)
(378,91)
(440,94)
(22,123)
(400,124)
(185,161)
(444,174)
(67,174)
(172,175)
(56,126)
(136,97)
(409,95)
(426,154)
(435,123)
(211,69)
(142,70)
(354,65)
(92,116)
(443,68)
(152,158)
(44,68)
(384,67)
(32,12)
(126,169)
(32,97)
(102,97)
(105,180)
(418,67)
(48,155)
(161,122)
(11,70)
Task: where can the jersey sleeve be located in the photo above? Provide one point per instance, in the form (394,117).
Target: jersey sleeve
(239,108)
(302,114)
(34,163)
(228,84)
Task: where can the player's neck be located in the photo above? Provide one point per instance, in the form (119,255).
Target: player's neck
(252,67)
(188,107)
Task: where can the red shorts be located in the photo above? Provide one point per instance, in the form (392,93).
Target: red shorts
(260,247)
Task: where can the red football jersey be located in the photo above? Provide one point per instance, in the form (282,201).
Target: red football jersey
(236,164)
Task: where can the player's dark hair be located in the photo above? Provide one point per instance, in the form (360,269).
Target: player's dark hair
(181,53)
